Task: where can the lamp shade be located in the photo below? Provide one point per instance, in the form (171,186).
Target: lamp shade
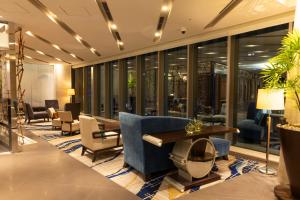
(270,99)
(71,92)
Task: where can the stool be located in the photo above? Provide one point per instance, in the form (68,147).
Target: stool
(222,147)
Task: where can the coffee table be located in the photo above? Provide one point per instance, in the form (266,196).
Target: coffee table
(183,180)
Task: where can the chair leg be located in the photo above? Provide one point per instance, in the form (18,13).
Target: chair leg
(125,165)
(94,156)
(83,150)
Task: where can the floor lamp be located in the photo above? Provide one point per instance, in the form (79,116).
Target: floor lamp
(269,99)
(71,92)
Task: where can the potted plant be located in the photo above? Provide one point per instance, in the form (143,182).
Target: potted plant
(283,73)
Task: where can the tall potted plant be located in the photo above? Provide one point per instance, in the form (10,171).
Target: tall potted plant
(283,73)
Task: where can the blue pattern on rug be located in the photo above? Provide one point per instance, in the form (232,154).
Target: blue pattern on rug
(194,189)
(73,148)
(67,143)
(50,137)
(234,168)
(120,172)
(251,165)
(109,159)
(150,188)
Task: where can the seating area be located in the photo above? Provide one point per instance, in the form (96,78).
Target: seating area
(152,100)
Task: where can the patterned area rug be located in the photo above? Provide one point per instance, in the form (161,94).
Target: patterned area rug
(110,164)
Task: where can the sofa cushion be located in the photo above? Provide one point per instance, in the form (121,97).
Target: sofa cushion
(222,146)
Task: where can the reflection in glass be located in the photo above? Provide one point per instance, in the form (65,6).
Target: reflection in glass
(100,79)
(79,87)
(211,81)
(115,89)
(87,91)
(131,85)
(176,68)
(150,87)
(255,48)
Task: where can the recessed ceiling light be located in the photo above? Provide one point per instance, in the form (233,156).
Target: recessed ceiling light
(29,57)
(157,34)
(56,46)
(92,50)
(58,59)
(222,57)
(211,53)
(78,38)
(251,54)
(181,58)
(200,47)
(73,55)
(120,43)
(40,52)
(173,64)
(115,65)
(165,8)
(251,45)
(113,26)
(12,43)
(29,33)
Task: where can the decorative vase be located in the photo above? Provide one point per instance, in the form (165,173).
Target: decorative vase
(290,144)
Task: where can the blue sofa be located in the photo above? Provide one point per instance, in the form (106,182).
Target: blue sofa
(253,128)
(145,157)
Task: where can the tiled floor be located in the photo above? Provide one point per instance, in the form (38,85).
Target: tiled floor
(44,173)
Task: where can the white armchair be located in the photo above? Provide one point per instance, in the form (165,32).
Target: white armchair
(56,122)
(68,124)
(96,140)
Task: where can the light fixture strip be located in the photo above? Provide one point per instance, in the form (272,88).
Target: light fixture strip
(32,58)
(52,44)
(42,53)
(230,6)
(162,20)
(104,9)
(62,24)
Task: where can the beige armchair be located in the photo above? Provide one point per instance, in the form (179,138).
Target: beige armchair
(68,125)
(56,122)
(95,140)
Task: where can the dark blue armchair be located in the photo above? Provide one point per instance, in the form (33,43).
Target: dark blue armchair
(143,156)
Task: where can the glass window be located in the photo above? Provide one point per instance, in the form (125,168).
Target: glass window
(79,87)
(131,85)
(211,77)
(87,91)
(150,83)
(176,69)
(255,48)
(100,80)
(115,89)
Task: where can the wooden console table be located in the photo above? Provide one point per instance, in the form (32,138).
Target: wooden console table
(183,179)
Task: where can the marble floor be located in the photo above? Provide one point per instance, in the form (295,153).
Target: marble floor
(42,172)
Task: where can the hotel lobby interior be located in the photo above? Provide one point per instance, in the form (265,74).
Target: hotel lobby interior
(140,99)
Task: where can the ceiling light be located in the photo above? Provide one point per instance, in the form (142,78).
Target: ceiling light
(29,33)
(92,50)
(211,53)
(181,58)
(200,47)
(58,59)
(251,54)
(73,55)
(12,43)
(29,57)
(51,16)
(222,57)
(165,8)
(251,45)
(113,26)
(265,56)
(120,43)
(40,52)
(169,54)
(1,16)
(78,38)
(56,46)
(157,34)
